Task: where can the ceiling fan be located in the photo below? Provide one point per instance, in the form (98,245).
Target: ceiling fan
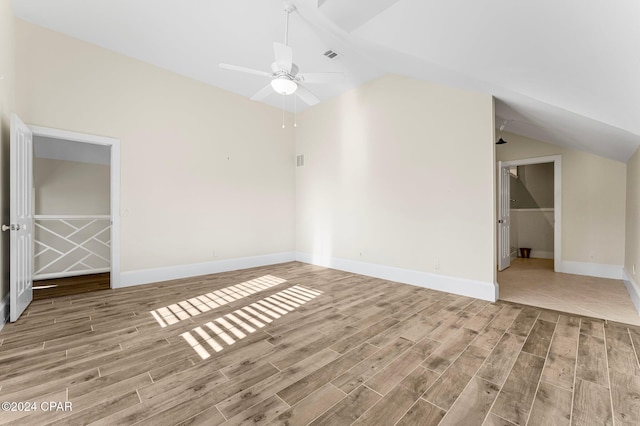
(285,76)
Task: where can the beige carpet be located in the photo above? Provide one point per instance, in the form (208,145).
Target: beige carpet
(533,282)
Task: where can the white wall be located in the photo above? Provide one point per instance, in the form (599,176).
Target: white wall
(632,246)
(593,200)
(203,169)
(7,106)
(399,173)
(533,229)
(538,179)
(70,187)
(532,214)
(534,186)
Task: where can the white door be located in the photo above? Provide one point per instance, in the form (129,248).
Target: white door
(21,217)
(504,219)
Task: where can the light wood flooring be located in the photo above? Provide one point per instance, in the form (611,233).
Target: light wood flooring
(533,282)
(327,348)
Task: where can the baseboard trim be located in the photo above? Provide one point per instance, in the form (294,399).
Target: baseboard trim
(146,276)
(633,288)
(4,311)
(592,269)
(462,286)
(539,254)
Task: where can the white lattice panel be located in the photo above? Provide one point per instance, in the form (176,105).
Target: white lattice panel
(71,245)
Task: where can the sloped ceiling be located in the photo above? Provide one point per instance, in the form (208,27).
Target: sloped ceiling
(564,72)
(61,149)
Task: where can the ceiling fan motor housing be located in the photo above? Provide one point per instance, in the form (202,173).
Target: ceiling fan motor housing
(280,72)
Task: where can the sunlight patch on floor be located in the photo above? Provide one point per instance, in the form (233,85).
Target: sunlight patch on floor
(186,309)
(232,327)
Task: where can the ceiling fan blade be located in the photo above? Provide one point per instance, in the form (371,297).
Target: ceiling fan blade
(284,56)
(321,77)
(245,70)
(262,93)
(306,96)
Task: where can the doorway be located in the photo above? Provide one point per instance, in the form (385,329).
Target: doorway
(76,206)
(525,222)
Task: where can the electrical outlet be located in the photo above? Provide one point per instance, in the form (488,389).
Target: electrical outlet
(436,264)
(634,269)
(215,253)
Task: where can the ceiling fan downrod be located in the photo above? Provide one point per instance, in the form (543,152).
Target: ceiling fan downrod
(288,8)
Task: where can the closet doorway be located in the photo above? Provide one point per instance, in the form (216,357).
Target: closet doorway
(76,209)
(530,211)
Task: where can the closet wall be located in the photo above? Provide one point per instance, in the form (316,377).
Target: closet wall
(532,210)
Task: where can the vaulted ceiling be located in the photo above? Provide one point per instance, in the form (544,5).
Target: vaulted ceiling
(564,72)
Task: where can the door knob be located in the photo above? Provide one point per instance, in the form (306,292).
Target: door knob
(12,227)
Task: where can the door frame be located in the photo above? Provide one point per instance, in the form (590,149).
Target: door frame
(114,182)
(557,199)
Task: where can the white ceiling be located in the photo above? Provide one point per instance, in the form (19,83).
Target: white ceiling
(564,72)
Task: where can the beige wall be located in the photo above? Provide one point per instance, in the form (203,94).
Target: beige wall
(399,172)
(532,229)
(7,106)
(632,248)
(70,187)
(593,200)
(202,169)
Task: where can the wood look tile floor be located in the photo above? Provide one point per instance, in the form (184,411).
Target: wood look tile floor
(58,287)
(533,282)
(295,344)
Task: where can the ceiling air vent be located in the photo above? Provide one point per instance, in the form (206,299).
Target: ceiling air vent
(331,54)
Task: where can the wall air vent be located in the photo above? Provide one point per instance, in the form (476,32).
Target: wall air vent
(331,54)
(300,160)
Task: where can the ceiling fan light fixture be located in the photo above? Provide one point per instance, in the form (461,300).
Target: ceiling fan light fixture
(284,86)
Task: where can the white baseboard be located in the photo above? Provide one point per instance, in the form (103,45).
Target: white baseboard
(4,311)
(633,288)
(465,287)
(592,269)
(539,254)
(146,276)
